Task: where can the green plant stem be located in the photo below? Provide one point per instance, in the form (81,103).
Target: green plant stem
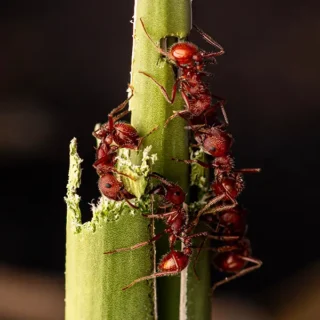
(162,19)
(94,280)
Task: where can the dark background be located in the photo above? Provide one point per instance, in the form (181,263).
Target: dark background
(65,64)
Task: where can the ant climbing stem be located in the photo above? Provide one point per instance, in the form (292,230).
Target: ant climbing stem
(185,54)
(177,229)
(196,96)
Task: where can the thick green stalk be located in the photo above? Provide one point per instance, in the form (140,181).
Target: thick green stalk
(94,280)
(163,19)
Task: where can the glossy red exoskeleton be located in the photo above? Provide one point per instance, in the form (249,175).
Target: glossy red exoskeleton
(113,189)
(227,184)
(230,222)
(176,227)
(234,258)
(174,261)
(172,193)
(190,60)
(121,134)
(188,55)
(214,140)
(197,97)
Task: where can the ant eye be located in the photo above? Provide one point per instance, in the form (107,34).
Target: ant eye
(108,185)
(212,149)
(177,193)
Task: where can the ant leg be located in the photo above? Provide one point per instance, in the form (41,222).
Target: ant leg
(176,114)
(197,257)
(123,174)
(128,202)
(163,90)
(158,48)
(208,205)
(122,105)
(136,246)
(248,170)
(148,134)
(207,38)
(160,178)
(223,238)
(258,264)
(220,209)
(201,163)
(159,215)
(153,276)
(221,104)
(121,115)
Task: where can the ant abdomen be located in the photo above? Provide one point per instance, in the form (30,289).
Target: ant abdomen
(229,262)
(174,261)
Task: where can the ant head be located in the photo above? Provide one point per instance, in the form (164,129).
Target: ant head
(175,194)
(183,53)
(230,261)
(109,186)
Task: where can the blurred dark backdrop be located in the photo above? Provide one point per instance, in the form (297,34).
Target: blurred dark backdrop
(65,64)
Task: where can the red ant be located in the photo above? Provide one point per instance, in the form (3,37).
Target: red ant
(228,183)
(188,55)
(233,258)
(124,135)
(231,222)
(109,186)
(190,61)
(172,193)
(236,253)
